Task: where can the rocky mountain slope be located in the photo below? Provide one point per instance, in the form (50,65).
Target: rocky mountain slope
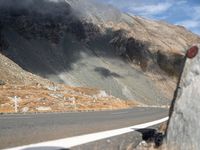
(36,94)
(83,43)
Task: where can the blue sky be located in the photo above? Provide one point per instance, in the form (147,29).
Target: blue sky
(179,12)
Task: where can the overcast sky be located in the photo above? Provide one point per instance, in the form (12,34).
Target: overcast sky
(181,12)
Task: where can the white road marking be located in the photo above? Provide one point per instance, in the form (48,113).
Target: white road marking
(83,139)
(119,113)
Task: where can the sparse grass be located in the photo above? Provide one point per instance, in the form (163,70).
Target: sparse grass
(63,99)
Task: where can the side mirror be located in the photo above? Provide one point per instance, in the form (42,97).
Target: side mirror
(192,52)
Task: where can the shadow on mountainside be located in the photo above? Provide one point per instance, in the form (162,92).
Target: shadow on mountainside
(106,73)
(50,41)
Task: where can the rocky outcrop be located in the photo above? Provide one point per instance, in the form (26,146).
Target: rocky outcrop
(132,49)
(152,43)
(32,20)
(170,62)
(184,124)
(2,82)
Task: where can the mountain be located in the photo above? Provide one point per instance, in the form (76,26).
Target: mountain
(88,44)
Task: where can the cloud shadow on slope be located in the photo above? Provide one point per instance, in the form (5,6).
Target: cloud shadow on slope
(106,72)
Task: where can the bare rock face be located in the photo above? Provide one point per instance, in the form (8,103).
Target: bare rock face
(183,131)
(170,62)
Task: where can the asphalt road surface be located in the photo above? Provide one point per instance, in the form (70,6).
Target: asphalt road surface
(17,130)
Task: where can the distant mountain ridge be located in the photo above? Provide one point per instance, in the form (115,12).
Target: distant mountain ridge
(83,43)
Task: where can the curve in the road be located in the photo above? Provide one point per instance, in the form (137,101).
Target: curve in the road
(17,130)
(79,140)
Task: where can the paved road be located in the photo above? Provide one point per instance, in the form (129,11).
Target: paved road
(17,130)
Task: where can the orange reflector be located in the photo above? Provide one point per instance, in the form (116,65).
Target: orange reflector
(192,52)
